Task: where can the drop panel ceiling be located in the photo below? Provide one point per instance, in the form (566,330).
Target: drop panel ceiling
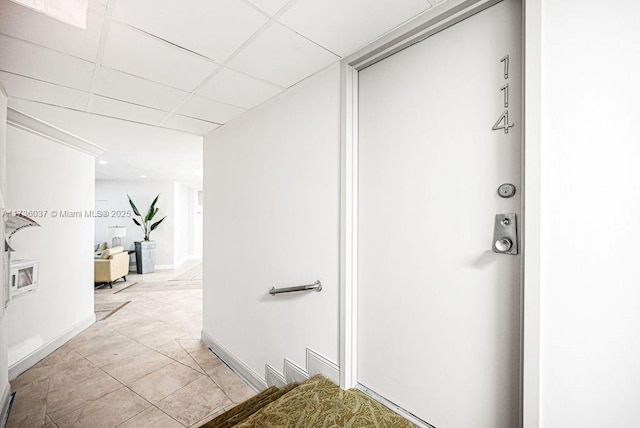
(208,60)
(25,24)
(282,56)
(31,60)
(212,28)
(238,89)
(344,26)
(185,66)
(44,92)
(127,87)
(144,55)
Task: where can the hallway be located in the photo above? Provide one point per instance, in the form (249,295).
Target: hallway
(140,366)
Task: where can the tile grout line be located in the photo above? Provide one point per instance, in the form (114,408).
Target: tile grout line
(92,401)
(107,331)
(210,377)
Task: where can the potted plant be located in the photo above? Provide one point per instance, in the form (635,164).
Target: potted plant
(146,250)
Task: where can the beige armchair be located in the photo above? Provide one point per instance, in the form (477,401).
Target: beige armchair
(113,265)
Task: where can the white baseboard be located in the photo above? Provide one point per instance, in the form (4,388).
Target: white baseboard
(240,368)
(318,364)
(294,373)
(34,357)
(315,364)
(273,377)
(5,397)
(394,407)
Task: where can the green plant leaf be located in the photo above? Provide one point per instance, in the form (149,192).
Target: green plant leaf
(136,222)
(152,209)
(153,214)
(153,204)
(157,223)
(133,206)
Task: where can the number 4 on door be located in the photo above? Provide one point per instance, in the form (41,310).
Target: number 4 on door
(503,123)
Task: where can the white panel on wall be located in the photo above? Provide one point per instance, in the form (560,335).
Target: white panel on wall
(43,175)
(590,298)
(183,223)
(135,52)
(281,56)
(271,217)
(4,332)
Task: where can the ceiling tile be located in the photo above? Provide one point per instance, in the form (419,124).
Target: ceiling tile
(138,53)
(344,26)
(99,6)
(120,109)
(281,56)
(189,124)
(213,28)
(270,6)
(36,90)
(172,155)
(29,60)
(27,24)
(126,87)
(206,109)
(238,89)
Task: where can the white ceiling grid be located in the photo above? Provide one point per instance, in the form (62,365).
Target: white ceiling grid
(152,67)
(187,66)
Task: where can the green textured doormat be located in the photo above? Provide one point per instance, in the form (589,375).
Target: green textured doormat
(317,403)
(105,310)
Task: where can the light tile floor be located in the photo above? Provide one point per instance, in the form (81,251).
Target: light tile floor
(142,366)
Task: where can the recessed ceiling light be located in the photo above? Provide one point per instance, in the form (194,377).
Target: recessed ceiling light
(103,162)
(143,176)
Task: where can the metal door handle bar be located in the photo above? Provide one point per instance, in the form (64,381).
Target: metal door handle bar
(315,286)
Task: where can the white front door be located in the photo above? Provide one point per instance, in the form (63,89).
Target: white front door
(438,312)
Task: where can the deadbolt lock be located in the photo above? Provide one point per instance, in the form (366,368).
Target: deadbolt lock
(505,237)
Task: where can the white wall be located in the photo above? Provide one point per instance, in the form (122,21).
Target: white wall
(271,217)
(43,175)
(4,334)
(183,222)
(195,244)
(111,195)
(590,215)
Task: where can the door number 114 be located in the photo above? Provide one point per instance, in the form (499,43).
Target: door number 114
(503,120)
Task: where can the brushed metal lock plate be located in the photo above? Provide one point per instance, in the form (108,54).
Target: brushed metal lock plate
(505,235)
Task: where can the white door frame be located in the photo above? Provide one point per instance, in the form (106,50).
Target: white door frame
(431,22)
